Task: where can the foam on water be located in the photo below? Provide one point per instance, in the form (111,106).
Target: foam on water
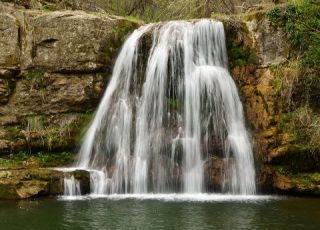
(185,197)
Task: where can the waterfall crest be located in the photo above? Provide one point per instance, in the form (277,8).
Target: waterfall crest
(161,111)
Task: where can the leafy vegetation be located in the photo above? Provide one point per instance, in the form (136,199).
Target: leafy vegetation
(34,74)
(147,10)
(240,55)
(297,82)
(301,23)
(39,159)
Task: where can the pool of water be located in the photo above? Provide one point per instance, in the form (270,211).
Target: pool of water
(162,212)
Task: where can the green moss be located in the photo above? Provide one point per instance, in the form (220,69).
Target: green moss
(13,131)
(119,33)
(8,163)
(38,159)
(53,159)
(85,121)
(240,55)
(173,104)
(300,158)
(122,29)
(134,19)
(306,178)
(34,74)
(280,169)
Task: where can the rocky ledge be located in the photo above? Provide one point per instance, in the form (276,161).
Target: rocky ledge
(29,183)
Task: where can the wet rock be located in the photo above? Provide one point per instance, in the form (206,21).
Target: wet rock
(27,183)
(214,173)
(270,180)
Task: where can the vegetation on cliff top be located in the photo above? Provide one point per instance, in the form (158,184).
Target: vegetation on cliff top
(301,24)
(298,82)
(149,10)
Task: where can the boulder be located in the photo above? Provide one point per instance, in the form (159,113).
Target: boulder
(73,41)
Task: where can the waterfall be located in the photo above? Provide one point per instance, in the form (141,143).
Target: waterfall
(71,187)
(165,104)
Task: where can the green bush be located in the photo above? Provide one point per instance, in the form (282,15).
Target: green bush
(301,23)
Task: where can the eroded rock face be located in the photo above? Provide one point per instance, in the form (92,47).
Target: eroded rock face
(54,67)
(54,93)
(73,41)
(307,184)
(27,183)
(9,40)
(265,105)
(268,40)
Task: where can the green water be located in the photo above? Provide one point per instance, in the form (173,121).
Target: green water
(288,213)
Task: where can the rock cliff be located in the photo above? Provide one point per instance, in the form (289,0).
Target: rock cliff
(267,70)
(54,67)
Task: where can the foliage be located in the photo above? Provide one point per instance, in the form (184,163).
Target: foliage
(159,10)
(34,74)
(297,83)
(39,159)
(303,125)
(280,169)
(52,160)
(301,23)
(8,163)
(22,155)
(240,55)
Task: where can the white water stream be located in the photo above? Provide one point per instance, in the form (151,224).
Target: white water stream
(157,117)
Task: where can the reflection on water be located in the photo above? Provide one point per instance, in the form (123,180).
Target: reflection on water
(291,213)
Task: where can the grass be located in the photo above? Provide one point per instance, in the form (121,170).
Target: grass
(34,74)
(240,55)
(39,159)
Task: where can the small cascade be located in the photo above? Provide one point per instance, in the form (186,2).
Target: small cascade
(98,182)
(171,104)
(71,187)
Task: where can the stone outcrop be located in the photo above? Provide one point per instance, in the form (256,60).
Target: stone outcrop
(29,183)
(54,66)
(282,161)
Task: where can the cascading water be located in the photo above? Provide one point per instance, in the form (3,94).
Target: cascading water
(159,114)
(71,187)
